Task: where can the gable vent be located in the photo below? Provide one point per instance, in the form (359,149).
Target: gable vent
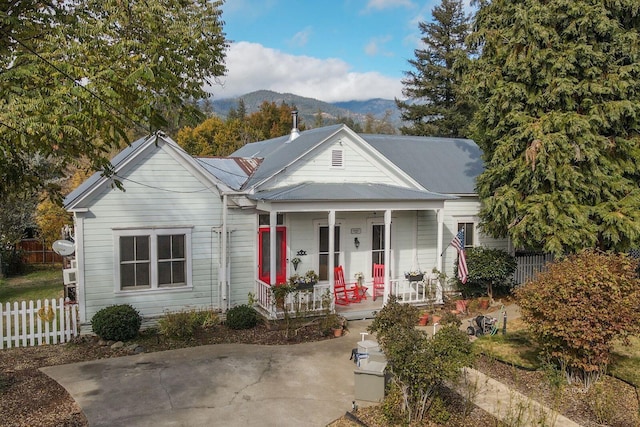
(337,158)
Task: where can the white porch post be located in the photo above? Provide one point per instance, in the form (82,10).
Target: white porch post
(273,220)
(440,217)
(332,248)
(387,255)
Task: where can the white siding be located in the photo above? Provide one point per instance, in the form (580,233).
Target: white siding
(359,166)
(159,191)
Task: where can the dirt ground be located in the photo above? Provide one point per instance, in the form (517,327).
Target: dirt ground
(30,398)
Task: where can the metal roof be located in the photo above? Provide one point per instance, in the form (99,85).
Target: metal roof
(277,153)
(442,165)
(233,171)
(310,191)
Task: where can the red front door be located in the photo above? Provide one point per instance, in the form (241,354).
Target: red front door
(264,255)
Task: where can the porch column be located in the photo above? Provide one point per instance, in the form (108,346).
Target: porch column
(440,218)
(332,250)
(387,255)
(273,237)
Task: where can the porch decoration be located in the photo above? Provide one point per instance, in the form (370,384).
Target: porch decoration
(359,276)
(414,276)
(305,282)
(295,263)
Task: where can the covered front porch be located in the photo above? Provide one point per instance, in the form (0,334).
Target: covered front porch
(320,227)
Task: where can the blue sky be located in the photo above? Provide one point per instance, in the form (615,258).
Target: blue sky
(333,50)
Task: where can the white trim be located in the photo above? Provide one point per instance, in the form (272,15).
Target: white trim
(153,233)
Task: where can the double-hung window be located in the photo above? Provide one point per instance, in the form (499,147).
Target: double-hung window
(152,258)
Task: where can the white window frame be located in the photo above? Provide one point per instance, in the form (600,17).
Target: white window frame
(153,234)
(467,220)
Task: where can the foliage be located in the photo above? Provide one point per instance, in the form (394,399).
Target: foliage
(271,120)
(381,126)
(435,105)
(308,278)
(116,322)
(184,324)
(559,113)
(450,319)
(418,364)
(579,307)
(50,218)
(393,314)
(77,75)
(488,269)
(242,317)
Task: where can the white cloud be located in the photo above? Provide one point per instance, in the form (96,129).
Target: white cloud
(300,38)
(252,67)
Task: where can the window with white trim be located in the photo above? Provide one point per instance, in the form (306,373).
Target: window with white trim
(152,259)
(468,233)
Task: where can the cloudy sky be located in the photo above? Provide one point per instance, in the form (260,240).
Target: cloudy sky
(332,50)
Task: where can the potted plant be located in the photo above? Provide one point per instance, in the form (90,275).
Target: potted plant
(414,276)
(424,318)
(295,261)
(305,282)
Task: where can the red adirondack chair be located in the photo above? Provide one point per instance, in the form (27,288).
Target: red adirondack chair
(378,280)
(344,293)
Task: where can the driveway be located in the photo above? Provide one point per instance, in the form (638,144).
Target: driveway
(308,384)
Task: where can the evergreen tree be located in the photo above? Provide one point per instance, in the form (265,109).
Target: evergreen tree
(435,105)
(558,90)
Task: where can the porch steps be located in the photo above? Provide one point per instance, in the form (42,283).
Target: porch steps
(359,314)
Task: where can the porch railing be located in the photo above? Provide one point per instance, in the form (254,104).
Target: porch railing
(303,302)
(423,291)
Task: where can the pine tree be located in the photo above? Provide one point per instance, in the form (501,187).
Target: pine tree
(435,106)
(558,90)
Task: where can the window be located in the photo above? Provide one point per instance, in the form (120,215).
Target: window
(337,159)
(263,219)
(323,251)
(468,233)
(153,259)
(377,244)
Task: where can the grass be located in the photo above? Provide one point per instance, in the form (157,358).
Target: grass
(518,348)
(39,282)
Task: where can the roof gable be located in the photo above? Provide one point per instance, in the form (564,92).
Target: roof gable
(128,158)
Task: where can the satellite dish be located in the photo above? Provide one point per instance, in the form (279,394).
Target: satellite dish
(64,247)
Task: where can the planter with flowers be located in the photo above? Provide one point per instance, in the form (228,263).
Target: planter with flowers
(414,276)
(305,282)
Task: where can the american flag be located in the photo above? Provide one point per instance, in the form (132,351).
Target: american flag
(458,243)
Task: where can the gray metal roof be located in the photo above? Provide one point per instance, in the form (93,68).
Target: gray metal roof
(233,171)
(442,165)
(310,191)
(277,153)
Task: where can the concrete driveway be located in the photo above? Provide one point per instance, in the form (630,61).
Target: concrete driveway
(308,384)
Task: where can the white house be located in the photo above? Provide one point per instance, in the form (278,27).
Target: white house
(196,232)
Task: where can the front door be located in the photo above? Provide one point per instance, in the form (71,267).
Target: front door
(264,256)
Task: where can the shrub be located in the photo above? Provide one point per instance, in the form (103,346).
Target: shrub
(184,324)
(116,322)
(578,307)
(419,365)
(242,317)
(489,270)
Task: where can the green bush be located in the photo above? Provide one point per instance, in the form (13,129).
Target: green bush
(579,307)
(184,324)
(393,314)
(489,270)
(242,317)
(116,322)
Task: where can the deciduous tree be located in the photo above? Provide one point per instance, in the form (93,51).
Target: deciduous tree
(558,90)
(76,75)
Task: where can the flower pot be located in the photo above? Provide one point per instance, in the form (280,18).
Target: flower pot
(424,319)
(436,319)
(461,305)
(483,304)
(337,331)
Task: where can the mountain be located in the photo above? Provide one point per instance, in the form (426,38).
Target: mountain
(308,107)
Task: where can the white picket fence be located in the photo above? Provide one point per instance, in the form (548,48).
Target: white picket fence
(37,323)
